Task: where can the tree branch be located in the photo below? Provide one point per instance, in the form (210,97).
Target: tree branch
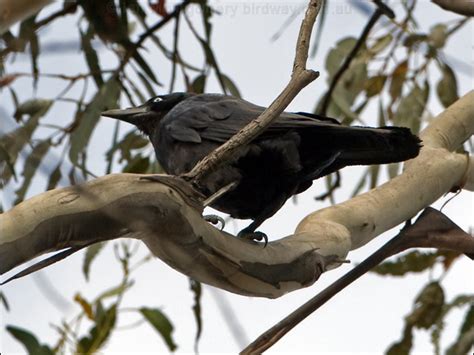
(166,216)
(300,77)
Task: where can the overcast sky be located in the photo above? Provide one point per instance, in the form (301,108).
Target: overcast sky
(366,317)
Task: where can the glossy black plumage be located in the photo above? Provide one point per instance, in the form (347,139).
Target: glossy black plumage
(283,161)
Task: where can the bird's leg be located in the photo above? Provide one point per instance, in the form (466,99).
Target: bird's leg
(249,232)
(214,219)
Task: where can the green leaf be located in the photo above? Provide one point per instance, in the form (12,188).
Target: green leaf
(438,35)
(411,108)
(105,98)
(145,67)
(447,87)
(92,59)
(99,333)
(336,55)
(380,44)
(29,341)
(404,346)
(4,301)
(91,253)
(199,84)
(138,165)
(131,141)
(428,307)
(468,322)
(5,158)
(414,39)
(398,79)
(374,85)
(229,84)
(86,306)
(197,291)
(14,142)
(161,324)
(114,291)
(54,177)
(414,261)
(146,84)
(31,165)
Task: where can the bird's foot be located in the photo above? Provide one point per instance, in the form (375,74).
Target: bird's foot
(214,219)
(253,236)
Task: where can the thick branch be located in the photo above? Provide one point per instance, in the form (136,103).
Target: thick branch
(299,79)
(167,217)
(462,7)
(426,178)
(12,11)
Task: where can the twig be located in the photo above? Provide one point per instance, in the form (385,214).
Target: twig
(347,61)
(69,8)
(149,32)
(299,79)
(432,229)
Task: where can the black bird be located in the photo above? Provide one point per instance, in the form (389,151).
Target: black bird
(294,150)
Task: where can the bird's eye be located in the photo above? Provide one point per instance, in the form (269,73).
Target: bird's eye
(157,99)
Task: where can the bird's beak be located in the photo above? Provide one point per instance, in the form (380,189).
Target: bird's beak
(131,115)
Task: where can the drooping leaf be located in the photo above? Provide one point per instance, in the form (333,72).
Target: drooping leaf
(230,85)
(86,306)
(374,85)
(14,142)
(381,43)
(54,177)
(397,79)
(138,165)
(145,67)
(99,333)
(411,108)
(196,288)
(447,87)
(29,341)
(414,261)
(161,324)
(89,256)
(198,85)
(404,346)
(336,55)
(437,36)
(428,306)
(130,142)
(92,59)
(105,98)
(5,160)
(114,291)
(4,301)
(31,165)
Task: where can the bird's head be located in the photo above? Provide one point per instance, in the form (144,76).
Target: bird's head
(147,116)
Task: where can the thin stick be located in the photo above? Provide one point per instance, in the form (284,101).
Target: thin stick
(299,79)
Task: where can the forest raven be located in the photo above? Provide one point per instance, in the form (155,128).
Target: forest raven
(281,162)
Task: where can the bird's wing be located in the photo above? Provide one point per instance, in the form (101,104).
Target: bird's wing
(217,118)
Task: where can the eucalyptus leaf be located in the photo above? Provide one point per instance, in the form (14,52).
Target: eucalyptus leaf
(162,325)
(447,87)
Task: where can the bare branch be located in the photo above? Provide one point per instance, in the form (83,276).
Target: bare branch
(431,230)
(299,79)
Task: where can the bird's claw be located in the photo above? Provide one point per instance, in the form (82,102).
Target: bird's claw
(214,219)
(253,236)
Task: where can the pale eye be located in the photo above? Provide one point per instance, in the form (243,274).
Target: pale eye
(157,99)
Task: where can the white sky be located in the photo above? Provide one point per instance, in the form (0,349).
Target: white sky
(364,318)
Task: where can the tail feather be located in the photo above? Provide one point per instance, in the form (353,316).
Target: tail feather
(363,145)
(379,146)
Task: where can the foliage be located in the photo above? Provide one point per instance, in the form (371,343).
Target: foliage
(393,68)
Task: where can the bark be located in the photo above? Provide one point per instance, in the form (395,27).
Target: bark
(166,216)
(12,11)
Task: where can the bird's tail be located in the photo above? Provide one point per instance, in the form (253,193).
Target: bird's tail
(366,146)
